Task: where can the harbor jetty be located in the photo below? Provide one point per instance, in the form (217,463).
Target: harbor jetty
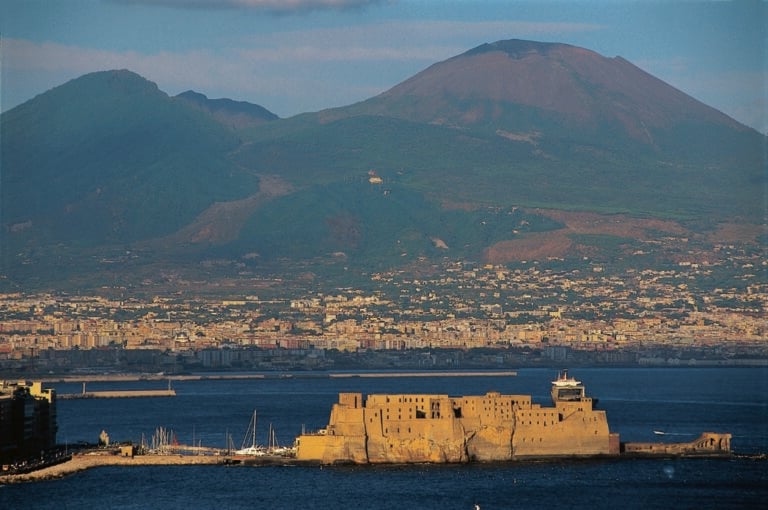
(169,392)
(124,457)
(273,375)
(81,462)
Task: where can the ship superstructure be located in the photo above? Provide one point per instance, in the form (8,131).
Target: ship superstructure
(567,389)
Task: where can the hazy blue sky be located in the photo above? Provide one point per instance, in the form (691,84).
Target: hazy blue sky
(292,56)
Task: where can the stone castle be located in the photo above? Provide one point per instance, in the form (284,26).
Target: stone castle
(414,428)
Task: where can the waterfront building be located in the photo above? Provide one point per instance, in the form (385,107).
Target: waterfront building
(27,421)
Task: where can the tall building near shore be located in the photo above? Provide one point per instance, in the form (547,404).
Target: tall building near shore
(27,421)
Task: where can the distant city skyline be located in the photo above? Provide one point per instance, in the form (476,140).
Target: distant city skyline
(307,55)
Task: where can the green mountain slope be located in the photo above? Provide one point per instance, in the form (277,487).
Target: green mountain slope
(376,224)
(444,164)
(110,158)
(534,168)
(233,114)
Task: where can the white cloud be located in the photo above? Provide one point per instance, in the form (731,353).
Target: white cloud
(418,42)
(275,6)
(417,35)
(389,41)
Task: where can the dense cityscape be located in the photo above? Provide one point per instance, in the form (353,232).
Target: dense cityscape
(452,315)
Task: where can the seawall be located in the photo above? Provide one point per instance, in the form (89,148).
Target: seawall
(119,394)
(86,461)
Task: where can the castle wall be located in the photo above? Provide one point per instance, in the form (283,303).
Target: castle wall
(570,428)
(417,440)
(490,443)
(413,428)
(707,443)
(438,428)
(332,449)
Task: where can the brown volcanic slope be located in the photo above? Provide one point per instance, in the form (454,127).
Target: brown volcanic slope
(602,135)
(222,221)
(566,81)
(559,243)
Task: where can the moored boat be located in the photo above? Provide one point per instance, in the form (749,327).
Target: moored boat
(253,448)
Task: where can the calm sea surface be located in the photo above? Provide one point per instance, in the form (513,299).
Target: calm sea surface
(682,402)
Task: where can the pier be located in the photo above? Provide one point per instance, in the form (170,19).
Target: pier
(277,375)
(507,373)
(169,392)
(201,456)
(82,462)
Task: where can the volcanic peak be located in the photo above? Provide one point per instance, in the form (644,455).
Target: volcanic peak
(518,48)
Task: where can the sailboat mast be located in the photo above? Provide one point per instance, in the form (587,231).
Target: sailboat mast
(254,429)
(251,431)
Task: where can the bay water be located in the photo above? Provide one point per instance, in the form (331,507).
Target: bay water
(681,402)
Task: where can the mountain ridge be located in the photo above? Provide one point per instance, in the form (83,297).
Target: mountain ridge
(104,156)
(508,129)
(233,114)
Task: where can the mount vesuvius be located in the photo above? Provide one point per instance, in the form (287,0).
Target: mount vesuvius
(471,153)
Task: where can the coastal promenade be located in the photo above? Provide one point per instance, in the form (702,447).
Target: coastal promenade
(70,378)
(86,461)
(132,377)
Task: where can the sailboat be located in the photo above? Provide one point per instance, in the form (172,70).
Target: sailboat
(273,448)
(253,448)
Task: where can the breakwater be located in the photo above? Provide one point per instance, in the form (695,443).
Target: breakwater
(119,394)
(82,462)
(277,375)
(338,375)
(169,392)
(274,375)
